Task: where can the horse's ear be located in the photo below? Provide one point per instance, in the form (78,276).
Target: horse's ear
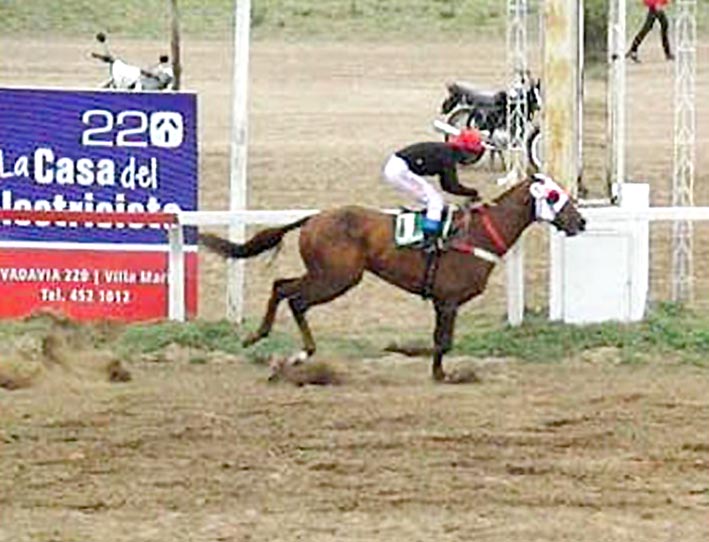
(536,190)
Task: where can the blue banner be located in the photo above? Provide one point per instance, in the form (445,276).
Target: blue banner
(96,151)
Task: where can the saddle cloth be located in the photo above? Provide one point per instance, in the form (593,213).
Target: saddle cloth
(407,226)
(408,233)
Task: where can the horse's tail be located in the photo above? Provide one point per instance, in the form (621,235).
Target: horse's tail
(261,242)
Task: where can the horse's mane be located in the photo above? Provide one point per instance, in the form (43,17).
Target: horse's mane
(507,193)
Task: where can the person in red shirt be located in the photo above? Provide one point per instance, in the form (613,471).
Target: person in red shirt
(655,11)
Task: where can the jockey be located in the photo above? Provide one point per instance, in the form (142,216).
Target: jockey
(404,170)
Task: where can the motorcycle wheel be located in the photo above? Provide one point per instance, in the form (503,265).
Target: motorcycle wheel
(534,148)
(464,118)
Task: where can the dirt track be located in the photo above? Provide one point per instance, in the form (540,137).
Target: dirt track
(588,450)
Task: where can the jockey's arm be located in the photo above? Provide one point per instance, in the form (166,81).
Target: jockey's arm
(450,183)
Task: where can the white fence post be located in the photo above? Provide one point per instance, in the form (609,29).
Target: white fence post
(238,184)
(176,274)
(514,269)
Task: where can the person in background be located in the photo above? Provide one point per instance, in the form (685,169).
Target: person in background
(160,76)
(655,12)
(404,170)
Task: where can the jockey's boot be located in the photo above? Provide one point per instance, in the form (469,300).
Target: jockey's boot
(431,234)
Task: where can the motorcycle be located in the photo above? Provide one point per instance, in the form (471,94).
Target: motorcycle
(467,106)
(124,76)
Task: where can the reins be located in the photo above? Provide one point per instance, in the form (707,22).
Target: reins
(492,231)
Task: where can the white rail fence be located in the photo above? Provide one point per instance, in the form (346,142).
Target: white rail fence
(175,223)
(596,217)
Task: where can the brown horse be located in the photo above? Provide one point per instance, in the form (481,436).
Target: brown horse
(339,245)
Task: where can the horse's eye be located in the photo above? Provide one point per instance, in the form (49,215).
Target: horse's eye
(553,196)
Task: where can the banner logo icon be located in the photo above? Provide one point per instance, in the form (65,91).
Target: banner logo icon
(166,129)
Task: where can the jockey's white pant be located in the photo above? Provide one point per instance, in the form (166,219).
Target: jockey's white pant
(397,173)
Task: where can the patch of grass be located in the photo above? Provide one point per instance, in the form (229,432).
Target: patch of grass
(221,336)
(207,336)
(350,348)
(277,344)
(415,20)
(334,19)
(668,329)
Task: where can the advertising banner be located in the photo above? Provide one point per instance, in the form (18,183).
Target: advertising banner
(94,151)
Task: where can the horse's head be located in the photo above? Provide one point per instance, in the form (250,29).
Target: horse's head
(554,205)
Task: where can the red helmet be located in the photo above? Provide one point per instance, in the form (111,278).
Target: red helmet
(468,141)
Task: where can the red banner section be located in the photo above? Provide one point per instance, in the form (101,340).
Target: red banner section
(128,286)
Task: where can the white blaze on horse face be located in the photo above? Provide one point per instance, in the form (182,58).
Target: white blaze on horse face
(549,197)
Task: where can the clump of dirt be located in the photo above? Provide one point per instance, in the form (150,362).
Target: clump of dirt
(463,375)
(15,377)
(410,349)
(56,348)
(302,373)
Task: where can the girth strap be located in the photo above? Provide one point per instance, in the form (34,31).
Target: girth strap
(429,274)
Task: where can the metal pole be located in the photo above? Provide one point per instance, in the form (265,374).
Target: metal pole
(239,138)
(517,90)
(684,146)
(616,99)
(517,151)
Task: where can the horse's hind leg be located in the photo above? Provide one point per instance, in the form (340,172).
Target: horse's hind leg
(314,291)
(281,289)
(302,293)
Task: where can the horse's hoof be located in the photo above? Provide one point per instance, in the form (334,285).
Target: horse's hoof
(439,376)
(249,340)
(297,359)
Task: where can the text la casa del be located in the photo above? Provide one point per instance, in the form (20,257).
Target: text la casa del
(45,167)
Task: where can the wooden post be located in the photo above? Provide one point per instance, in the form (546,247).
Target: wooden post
(561,115)
(175,44)
(239,138)
(560,129)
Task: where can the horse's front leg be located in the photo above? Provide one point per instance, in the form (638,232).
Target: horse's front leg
(446,311)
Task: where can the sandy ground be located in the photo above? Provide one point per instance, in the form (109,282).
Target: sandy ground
(585,451)
(588,450)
